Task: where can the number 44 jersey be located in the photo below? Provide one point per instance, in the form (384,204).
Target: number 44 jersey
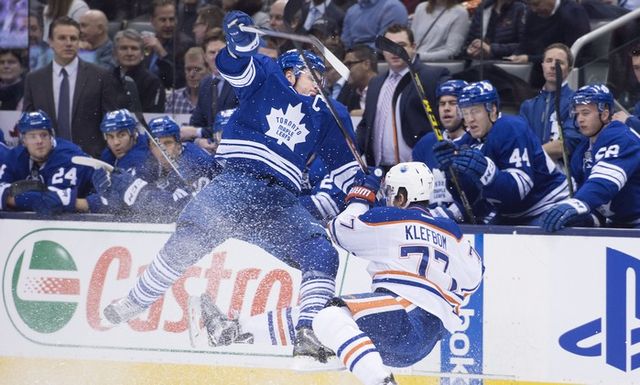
(423,259)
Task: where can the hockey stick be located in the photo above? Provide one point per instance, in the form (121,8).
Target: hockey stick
(565,152)
(331,58)
(387,45)
(132,92)
(289,11)
(91,162)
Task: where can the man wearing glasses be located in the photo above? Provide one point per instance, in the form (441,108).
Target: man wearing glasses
(185,99)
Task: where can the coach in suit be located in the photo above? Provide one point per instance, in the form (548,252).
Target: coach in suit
(394,118)
(75,94)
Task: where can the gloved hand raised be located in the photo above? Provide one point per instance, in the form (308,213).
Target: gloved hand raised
(444,152)
(118,187)
(240,43)
(365,186)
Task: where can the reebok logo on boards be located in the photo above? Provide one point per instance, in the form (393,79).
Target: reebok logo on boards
(618,332)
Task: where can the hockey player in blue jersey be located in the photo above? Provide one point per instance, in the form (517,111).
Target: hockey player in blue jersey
(38,174)
(605,165)
(505,160)
(151,189)
(422,270)
(265,146)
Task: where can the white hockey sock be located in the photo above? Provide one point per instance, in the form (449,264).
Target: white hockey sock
(336,329)
(154,282)
(275,327)
(315,292)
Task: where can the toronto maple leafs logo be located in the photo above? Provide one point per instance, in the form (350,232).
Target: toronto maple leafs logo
(287,127)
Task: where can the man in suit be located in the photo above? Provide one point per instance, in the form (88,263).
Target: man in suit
(76,93)
(394,118)
(211,100)
(319,10)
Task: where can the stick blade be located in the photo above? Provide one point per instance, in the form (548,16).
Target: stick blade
(384,44)
(91,162)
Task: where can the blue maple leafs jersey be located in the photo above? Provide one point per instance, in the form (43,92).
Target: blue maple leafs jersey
(69,181)
(134,160)
(528,182)
(608,173)
(277,138)
(423,259)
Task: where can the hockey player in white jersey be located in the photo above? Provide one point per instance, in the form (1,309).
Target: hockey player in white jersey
(422,269)
(265,146)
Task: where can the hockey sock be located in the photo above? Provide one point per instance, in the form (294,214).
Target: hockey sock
(154,282)
(275,327)
(337,330)
(315,291)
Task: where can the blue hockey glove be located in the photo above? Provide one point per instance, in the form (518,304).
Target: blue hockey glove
(101,180)
(562,213)
(452,211)
(240,43)
(476,166)
(445,151)
(365,186)
(42,202)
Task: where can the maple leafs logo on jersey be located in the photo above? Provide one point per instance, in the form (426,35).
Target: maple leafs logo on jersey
(287,127)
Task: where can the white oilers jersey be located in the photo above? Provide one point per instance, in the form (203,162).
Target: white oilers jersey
(423,259)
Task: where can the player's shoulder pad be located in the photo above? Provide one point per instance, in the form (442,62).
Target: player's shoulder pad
(394,215)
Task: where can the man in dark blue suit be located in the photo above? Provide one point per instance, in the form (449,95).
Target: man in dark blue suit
(394,118)
(215,95)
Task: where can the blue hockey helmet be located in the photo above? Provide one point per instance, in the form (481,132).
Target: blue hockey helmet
(481,92)
(597,94)
(119,120)
(35,120)
(164,126)
(291,59)
(450,87)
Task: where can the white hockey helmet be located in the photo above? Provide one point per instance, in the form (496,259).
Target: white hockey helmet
(415,177)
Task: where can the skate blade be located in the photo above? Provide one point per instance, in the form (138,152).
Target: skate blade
(310,364)
(197,332)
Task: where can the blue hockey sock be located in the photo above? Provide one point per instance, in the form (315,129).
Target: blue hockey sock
(316,290)
(155,281)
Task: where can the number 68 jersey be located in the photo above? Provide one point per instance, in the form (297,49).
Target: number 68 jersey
(423,259)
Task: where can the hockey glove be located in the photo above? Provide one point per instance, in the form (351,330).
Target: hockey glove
(562,213)
(452,211)
(445,151)
(365,186)
(42,202)
(476,166)
(21,186)
(240,43)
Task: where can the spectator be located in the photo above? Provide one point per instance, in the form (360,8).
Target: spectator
(333,82)
(252,8)
(394,119)
(164,48)
(632,120)
(11,78)
(209,17)
(39,52)
(133,9)
(503,33)
(369,18)
(82,92)
(549,22)
(215,95)
(540,112)
(605,165)
(630,4)
(322,10)
(362,63)
(58,8)
(440,28)
(38,174)
(276,22)
(505,160)
(187,16)
(184,100)
(94,35)
(129,56)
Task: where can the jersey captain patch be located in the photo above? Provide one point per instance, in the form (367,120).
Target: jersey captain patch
(287,127)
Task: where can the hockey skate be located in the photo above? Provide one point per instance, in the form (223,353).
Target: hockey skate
(389,381)
(122,310)
(206,319)
(310,355)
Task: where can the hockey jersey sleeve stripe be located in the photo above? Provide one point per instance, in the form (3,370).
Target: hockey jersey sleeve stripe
(556,195)
(362,307)
(610,172)
(244,79)
(325,204)
(524,182)
(408,221)
(405,277)
(343,176)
